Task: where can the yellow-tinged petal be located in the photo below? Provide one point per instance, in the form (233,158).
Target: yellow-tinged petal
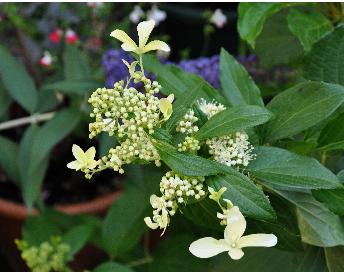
(166,107)
(208,247)
(75,165)
(170,98)
(79,154)
(258,240)
(128,43)
(236,225)
(150,224)
(156,45)
(144,29)
(90,153)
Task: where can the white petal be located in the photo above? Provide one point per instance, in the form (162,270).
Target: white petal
(79,154)
(90,153)
(170,98)
(208,247)
(258,240)
(149,223)
(235,253)
(128,43)
(144,29)
(74,165)
(156,45)
(236,225)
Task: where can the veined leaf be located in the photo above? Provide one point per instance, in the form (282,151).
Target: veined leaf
(9,159)
(334,258)
(237,85)
(301,107)
(245,194)
(233,120)
(75,64)
(289,171)
(79,87)
(112,267)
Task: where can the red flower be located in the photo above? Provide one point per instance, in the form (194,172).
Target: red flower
(55,36)
(46,60)
(71,37)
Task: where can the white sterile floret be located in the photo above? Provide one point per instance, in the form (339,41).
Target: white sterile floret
(231,150)
(175,189)
(233,241)
(210,108)
(186,125)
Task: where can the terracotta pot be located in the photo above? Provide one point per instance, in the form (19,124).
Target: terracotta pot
(13,216)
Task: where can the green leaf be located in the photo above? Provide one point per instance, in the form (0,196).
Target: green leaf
(203,213)
(276,44)
(5,101)
(233,120)
(183,103)
(334,258)
(76,238)
(112,267)
(47,101)
(9,159)
(325,59)
(237,85)
(172,255)
(77,86)
(332,135)
(272,260)
(175,80)
(318,226)
(309,25)
(252,17)
(75,64)
(37,230)
(17,81)
(301,107)
(188,164)
(245,194)
(289,171)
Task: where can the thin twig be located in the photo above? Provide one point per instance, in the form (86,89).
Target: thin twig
(142,261)
(26,120)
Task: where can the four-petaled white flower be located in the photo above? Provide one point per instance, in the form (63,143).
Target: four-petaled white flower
(136,14)
(144,30)
(218,18)
(233,241)
(84,160)
(156,15)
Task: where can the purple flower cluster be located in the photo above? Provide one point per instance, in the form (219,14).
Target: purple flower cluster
(115,70)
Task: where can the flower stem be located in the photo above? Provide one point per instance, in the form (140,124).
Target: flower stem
(26,120)
(142,261)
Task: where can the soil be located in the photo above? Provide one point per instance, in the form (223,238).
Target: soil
(65,186)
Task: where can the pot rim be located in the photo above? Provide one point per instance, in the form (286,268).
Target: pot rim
(98,205)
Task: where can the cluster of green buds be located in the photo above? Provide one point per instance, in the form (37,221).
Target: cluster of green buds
(189,144)
(47,257)
(176,190)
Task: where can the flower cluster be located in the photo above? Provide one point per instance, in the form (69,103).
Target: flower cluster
(48,256)
(175,189)
(189,144)
(154,14)
(210,109)
(231,150)
(186,125)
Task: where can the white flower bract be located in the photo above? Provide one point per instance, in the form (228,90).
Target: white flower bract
(233,241)
(210,108)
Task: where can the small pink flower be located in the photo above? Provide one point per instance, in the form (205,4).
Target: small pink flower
(46,60)
(55,36)
(71,37)
(218,18)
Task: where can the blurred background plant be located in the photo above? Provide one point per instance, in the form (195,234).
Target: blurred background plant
(53,55)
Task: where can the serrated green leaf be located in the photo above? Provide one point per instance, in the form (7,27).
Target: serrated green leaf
(332,135)
(244,194)
(301,107)
(233,120)
(325,59)
(237,85)
(309,25)
(289,171)
(17,81)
